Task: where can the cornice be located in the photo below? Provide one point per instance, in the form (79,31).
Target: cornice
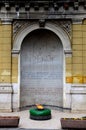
(43,9)
(46,4)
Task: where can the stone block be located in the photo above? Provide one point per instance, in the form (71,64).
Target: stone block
(78,99)
(6,98)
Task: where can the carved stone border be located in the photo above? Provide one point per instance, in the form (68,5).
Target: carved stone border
(19,25)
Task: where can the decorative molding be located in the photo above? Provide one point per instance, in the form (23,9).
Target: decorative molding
(25,29)
(46,4)
(47,9)
(78,91)
(66,25)
(78,86)
(77,21)
(42,22)
(68,53)
(6,88)
(6,21)
(15,52)
(5,84)
(20,25)
(16,26)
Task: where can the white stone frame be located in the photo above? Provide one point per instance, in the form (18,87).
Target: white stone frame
(63,36)
(49,26)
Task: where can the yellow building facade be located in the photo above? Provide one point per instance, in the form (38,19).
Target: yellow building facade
(14,34)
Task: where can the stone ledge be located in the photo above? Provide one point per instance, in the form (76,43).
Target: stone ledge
(78,91)
(6,88)
(78,85)
(5,110)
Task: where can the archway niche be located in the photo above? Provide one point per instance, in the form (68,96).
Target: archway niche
(41,54)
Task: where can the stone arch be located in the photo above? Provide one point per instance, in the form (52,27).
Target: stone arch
(49,26)
(25,30)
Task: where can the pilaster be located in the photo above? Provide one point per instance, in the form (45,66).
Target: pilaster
(6,89)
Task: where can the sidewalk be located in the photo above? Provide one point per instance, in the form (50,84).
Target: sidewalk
(54,123)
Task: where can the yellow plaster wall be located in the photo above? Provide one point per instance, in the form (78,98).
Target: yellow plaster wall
(77,56)
(14,69)
(84,51)
(5,53)
(77,73)
(69,70)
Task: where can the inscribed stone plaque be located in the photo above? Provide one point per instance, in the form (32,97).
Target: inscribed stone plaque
(41,69)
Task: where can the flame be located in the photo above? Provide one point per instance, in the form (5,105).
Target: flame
(39,106)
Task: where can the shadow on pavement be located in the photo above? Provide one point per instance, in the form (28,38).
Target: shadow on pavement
(25,129)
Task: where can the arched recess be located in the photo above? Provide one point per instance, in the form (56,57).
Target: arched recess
(50,26)
(34,26)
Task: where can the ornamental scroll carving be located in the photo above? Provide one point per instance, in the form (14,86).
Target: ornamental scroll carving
(19,25)
(66,25)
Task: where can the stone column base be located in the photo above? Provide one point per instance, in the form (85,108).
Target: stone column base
(78,98)
(5,98)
